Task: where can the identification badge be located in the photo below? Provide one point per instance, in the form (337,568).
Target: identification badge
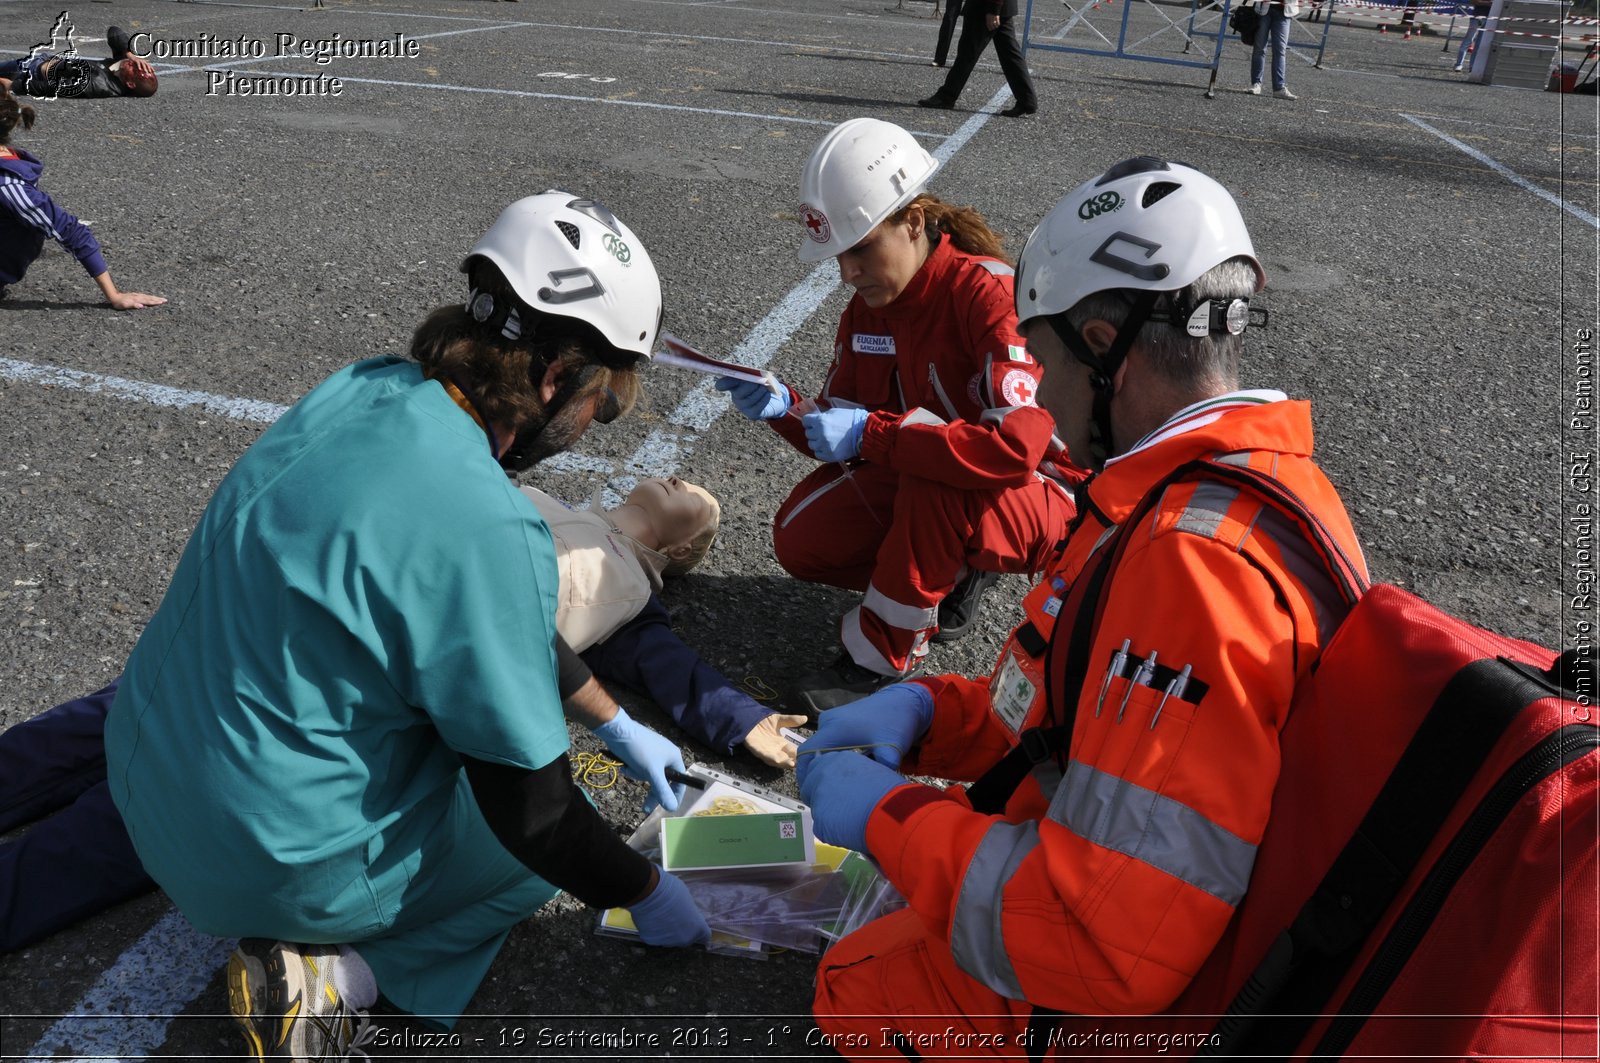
(866,343)
(1012,690)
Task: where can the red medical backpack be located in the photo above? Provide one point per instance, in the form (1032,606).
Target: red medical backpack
(1427,885)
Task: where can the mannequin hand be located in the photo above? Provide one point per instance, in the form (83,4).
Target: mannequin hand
(768,745)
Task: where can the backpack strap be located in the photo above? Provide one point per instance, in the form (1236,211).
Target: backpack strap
(1067,667)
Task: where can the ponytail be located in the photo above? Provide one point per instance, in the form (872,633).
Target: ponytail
(13,114)
(963,225)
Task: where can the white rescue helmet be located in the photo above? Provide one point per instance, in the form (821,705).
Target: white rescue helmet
(568,256)
(1144,224)
(861,172)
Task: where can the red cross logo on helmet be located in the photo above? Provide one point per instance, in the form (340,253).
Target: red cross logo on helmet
(816,223)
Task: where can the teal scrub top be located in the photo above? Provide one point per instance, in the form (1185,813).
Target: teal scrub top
(366,596)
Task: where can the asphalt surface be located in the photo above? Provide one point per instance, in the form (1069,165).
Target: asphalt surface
(1430,247)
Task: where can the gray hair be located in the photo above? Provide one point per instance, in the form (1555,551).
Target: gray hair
(1207,365)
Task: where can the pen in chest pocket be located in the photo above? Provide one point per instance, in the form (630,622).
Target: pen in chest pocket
(1118,659)
(1176,688)
(1141,677)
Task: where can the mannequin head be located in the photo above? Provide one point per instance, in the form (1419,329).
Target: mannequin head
(672,516)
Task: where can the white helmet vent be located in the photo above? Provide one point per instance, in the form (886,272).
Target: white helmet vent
(570,231)
(1157,192)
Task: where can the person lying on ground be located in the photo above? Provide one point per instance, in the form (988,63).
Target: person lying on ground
(68,75)
(28,215)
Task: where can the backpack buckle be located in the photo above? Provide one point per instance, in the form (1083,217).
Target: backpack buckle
(1034,745)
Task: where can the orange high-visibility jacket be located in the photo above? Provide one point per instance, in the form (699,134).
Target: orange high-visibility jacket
(1104,890)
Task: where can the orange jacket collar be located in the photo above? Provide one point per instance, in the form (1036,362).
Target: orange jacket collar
(1284,427)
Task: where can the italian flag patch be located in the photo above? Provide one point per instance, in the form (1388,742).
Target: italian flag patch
(1018,354)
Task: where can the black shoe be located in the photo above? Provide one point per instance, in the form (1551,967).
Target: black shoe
(1020,110)
(960,607)
(937,102)
(840,683)
(117,40)
(937,63)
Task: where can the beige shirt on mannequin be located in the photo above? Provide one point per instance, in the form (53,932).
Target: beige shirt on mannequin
(606,577)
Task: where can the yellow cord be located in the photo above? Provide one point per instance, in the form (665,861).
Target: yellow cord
(729,806)
(757,688)
(595,770)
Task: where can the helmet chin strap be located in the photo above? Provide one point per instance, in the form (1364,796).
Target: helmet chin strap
(529,446)
(1103,368)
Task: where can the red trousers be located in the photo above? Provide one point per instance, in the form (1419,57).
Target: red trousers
(905,541)
(892,978)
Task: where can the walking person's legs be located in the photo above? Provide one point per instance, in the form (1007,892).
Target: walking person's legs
(947,31)
(1279,27)
(1258,54)
(974,39)
(1015,67)
(1473,34)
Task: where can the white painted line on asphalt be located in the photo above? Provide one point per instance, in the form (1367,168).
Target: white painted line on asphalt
(827,48)
(446,87)
(409,37)
(125,1014)
(140,391)
(1500,127)
(1506,172)
(227,3)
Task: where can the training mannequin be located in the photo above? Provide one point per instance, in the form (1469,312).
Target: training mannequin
(612,563)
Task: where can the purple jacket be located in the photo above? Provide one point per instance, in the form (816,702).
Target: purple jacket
(28,215)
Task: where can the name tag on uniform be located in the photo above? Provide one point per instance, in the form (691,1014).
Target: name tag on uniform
(1011,693)
(863,343)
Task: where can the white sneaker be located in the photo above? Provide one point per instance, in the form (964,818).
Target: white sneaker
(285,1001)
(1458,68)
(1255,89)
(1284,94)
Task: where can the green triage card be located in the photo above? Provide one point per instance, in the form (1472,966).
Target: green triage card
(767,839)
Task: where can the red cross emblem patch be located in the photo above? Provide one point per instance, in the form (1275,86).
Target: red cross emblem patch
(1018,388)
(816,223)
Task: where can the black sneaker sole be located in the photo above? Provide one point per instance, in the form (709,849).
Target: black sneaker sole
(118,41)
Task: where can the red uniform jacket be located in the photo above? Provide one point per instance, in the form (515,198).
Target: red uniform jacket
(947,345)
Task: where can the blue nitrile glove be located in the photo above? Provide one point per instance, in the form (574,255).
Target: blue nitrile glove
(842,790)
(888,723)
(835,435)
(667,916)
(645,756)
(755,401)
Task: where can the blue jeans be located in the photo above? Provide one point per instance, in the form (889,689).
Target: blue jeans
(20,71)
(1274,24)
(1474,33)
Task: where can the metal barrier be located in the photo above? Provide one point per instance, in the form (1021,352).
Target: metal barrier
(1145,32)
